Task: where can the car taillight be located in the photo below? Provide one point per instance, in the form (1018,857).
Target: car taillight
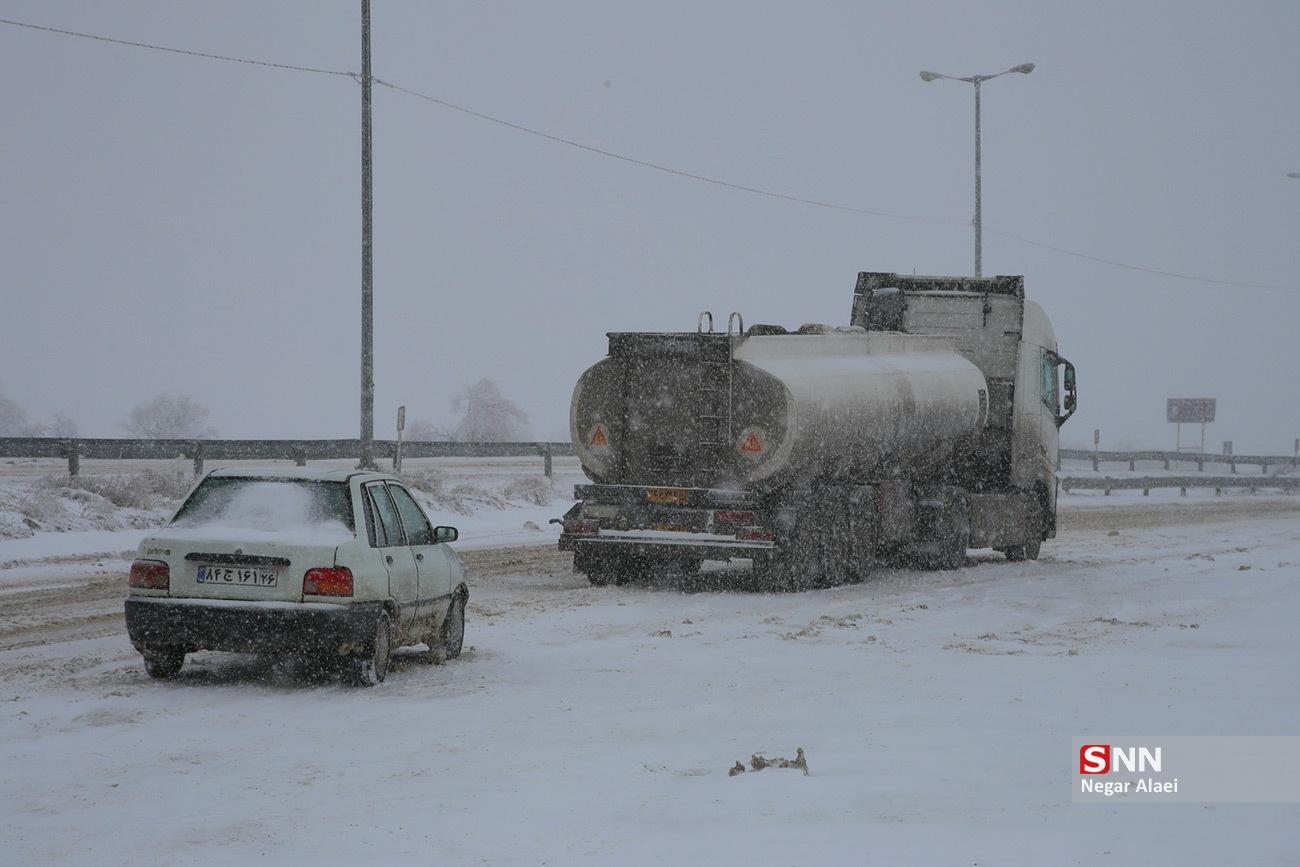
(724,517)
(150,575)
(327,581)
(581,528)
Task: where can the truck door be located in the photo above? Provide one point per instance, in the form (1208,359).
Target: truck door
(431,566)
(390,538)
(1050,411)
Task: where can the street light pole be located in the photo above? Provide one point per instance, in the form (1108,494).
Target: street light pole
(976,81)
(367,258)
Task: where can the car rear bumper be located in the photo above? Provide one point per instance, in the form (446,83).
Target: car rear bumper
(250,627)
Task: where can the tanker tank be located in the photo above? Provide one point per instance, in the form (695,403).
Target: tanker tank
(774,410)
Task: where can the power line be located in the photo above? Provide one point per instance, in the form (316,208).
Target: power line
(815,202)
(228,58)
(758,191)
(1141,268)
(659,167)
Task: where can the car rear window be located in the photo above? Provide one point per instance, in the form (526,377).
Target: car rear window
(269,505)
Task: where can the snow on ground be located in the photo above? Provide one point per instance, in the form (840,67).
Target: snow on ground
(596,725)
(39,519)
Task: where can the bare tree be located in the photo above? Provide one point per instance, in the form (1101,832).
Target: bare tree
(424,431)
(61,426)
(13,420)
(488,416)
(170,416)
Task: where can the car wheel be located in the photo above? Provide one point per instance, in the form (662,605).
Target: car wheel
(163,662)
(453,628)
(372,668)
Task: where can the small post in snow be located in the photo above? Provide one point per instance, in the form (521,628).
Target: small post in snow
(397,451)
(73,451)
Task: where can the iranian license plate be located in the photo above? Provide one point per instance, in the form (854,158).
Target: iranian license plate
(675,496)
(243,576)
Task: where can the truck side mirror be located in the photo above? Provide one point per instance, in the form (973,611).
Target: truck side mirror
(1071,393)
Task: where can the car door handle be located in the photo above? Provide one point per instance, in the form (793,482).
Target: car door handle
(388,558)
(419,556)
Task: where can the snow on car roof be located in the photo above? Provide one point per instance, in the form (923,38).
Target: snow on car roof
(315,474)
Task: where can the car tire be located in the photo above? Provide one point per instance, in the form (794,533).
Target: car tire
(163,662)
(371,668)
(452,637)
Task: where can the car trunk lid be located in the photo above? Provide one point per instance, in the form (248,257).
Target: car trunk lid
(203,567)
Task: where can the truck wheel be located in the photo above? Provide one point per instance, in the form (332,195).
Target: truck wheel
(372,668)
(1027,551)
(602,569)
(163,662)
(453,628)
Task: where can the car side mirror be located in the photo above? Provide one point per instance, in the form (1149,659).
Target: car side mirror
(445,534)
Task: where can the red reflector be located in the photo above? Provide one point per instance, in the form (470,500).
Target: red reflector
(332,581)
(581,528)
(150,575)
(756,534)
(733,517)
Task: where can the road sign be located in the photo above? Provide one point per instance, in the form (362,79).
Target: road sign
(1190,410)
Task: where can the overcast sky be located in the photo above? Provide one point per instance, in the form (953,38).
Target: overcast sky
(173,223)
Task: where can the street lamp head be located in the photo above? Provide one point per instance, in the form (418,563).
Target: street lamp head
(1024,68)
(930,76)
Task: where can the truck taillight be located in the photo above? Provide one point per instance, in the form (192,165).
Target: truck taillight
(725,517)
(150,575)
(327,581)
(755,534)
(579,527)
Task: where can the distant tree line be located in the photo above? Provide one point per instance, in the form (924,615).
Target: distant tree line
(483,413)
(15,423)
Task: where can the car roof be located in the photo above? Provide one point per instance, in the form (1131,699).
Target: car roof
(312,474)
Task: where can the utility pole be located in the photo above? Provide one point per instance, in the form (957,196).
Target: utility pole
(977,80)
(979,199)
(367,258)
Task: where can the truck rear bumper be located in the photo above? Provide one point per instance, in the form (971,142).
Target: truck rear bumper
(250,627)
(652,543)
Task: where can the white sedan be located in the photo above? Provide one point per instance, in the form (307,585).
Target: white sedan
(333,564)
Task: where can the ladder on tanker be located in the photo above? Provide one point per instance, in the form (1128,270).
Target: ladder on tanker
(717,384)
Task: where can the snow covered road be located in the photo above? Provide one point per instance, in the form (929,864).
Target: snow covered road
(597,725)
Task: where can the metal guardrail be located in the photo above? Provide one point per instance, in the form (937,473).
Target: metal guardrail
(298,451)
(1289,484)
(1168,458)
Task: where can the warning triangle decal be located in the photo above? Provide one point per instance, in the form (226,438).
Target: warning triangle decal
(598,437)
(752,444)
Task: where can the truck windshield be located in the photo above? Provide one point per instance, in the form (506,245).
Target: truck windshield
(270,505)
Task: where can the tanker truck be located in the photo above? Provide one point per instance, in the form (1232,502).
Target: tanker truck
(926,426)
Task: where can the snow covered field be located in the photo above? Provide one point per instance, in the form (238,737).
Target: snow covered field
(597,725)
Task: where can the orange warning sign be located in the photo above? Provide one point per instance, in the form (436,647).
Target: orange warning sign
(598,437)
(752,445)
